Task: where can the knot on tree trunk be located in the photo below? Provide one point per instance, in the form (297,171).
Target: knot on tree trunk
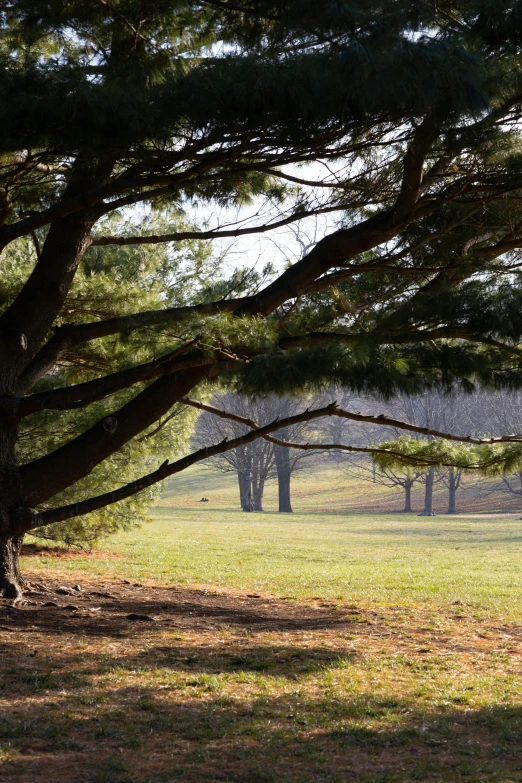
(110,424)
(13,341)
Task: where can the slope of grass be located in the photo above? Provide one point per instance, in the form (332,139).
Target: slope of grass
(329,489)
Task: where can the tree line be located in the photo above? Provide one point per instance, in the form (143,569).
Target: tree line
(483,414)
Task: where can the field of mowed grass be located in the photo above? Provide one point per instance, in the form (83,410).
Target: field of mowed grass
(216,646)
(328,489)
(375,558)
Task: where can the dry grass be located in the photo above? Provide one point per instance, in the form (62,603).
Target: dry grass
(227,687)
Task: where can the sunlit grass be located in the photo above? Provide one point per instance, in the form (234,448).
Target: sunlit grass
(384,558)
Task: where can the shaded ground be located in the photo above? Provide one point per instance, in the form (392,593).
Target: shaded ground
(116,682)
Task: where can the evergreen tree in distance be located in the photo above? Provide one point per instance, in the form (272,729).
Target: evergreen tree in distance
(413,110)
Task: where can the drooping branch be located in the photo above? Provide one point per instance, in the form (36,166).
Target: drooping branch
(381,420)
(166,469)
(231,417)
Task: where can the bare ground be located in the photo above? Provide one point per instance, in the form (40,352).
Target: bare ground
(117,682)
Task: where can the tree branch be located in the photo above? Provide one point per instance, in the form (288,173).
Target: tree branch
(178,236)
(226,6)
(381,420)
(165,470)
(71,335)
(231,416)
(44,477)
(83,394)
(395,338)
(423,138)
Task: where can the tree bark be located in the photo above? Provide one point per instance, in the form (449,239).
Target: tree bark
(11,581)
(12,505)
(452,488)
(245,491)
(428,495)
(258,488)
(282,459)
(407,496)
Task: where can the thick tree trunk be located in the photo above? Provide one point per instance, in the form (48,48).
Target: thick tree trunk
(11,582)
(245,491)
(282,459)
(11,496)
(407,496)
(428,495)
(452,490)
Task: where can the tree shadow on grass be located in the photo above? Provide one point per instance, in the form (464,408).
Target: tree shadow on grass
(210,692)
(129,611)
(149,735)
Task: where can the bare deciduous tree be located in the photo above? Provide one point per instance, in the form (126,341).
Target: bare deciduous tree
(255,463)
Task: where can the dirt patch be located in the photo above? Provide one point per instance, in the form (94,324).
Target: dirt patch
(116,682)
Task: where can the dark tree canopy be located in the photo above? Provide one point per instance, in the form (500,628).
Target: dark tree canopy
(113,110)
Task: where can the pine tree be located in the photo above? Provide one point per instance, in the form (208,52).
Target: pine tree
(413,111)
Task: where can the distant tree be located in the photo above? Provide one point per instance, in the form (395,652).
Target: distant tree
(444,412)
(513,483)
(289,461)
(405,479)
(255,463)
(284,474)
(500,412)
(452,479)
(429,479)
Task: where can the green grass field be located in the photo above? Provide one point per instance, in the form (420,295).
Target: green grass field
(383,558)
(308,648)
(376,559)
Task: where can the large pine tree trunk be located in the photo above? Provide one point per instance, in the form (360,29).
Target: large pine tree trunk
(282,458)
(11,501)
(452,493)
(428,495)
(11,582)
(407,495)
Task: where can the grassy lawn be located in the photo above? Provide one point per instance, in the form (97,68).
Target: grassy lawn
(306,648)
(371,559)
